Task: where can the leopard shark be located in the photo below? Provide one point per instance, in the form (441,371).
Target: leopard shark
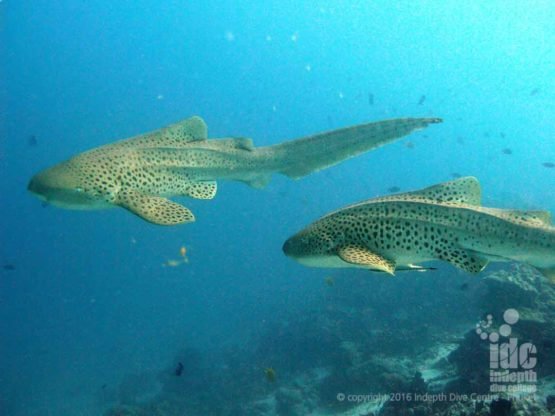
(140,174)
(443,222)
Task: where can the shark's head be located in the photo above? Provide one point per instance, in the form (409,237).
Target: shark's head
(63,185)
(315,246)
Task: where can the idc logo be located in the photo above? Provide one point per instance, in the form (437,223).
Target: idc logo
(511,363)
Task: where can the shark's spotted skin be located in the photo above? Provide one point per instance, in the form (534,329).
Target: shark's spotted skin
(444,222)
(140,173)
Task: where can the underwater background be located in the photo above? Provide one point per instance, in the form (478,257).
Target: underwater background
(94,321)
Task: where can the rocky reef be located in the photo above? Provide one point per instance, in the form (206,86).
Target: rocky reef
(350,352)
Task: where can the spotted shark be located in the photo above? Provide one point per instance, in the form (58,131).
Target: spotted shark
(141,173)
(443,222)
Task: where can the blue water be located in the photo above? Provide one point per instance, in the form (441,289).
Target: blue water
(88,300)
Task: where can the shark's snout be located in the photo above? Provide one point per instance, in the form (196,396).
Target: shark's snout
(287,247)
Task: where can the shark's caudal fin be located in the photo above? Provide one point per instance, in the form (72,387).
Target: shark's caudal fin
(300,157)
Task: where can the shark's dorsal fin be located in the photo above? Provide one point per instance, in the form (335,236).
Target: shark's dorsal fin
(361,256)
(460,191)
(154,209)
(191,129)
(244,143)
(178,134)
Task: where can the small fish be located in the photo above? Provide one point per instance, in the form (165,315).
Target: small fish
(329,281)
(456,175)
(9,267)
(370,98)
(171,263)
(32,140)
(394,189)
(179,369)
(183,251)
(534,91)
(507,151)
(548,165)
(270,374)
(421,100)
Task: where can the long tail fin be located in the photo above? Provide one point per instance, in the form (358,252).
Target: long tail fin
(300,157)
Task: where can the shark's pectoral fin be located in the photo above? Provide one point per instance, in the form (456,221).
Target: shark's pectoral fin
(201,190)
(361,256)
(467,260)
(154,209)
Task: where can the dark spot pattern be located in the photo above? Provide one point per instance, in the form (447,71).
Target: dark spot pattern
(441,222)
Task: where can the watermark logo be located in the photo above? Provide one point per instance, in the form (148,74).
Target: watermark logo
(511,363)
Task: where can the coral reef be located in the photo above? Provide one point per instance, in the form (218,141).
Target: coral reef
(350,353)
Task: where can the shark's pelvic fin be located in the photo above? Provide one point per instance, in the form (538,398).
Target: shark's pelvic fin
(361,256)
(154,209)
(201,190)
(258,181)
(548,273)
(466,260)
(460,191)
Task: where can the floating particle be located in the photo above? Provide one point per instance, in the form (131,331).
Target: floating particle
(329,281)
(229,36)
(295,37)
(409,145)
(502,135)
(534,91)
(160,97)
(341,95)
(32,140)
(179,369)
(507,151)
(394,189)
(456,175)
(370,98)
(421,100)
(308,68)
(268,38)
(549,165)
(270,374)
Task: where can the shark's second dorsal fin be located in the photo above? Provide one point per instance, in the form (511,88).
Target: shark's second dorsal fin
(191,129)
(460,191)
(532,218)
